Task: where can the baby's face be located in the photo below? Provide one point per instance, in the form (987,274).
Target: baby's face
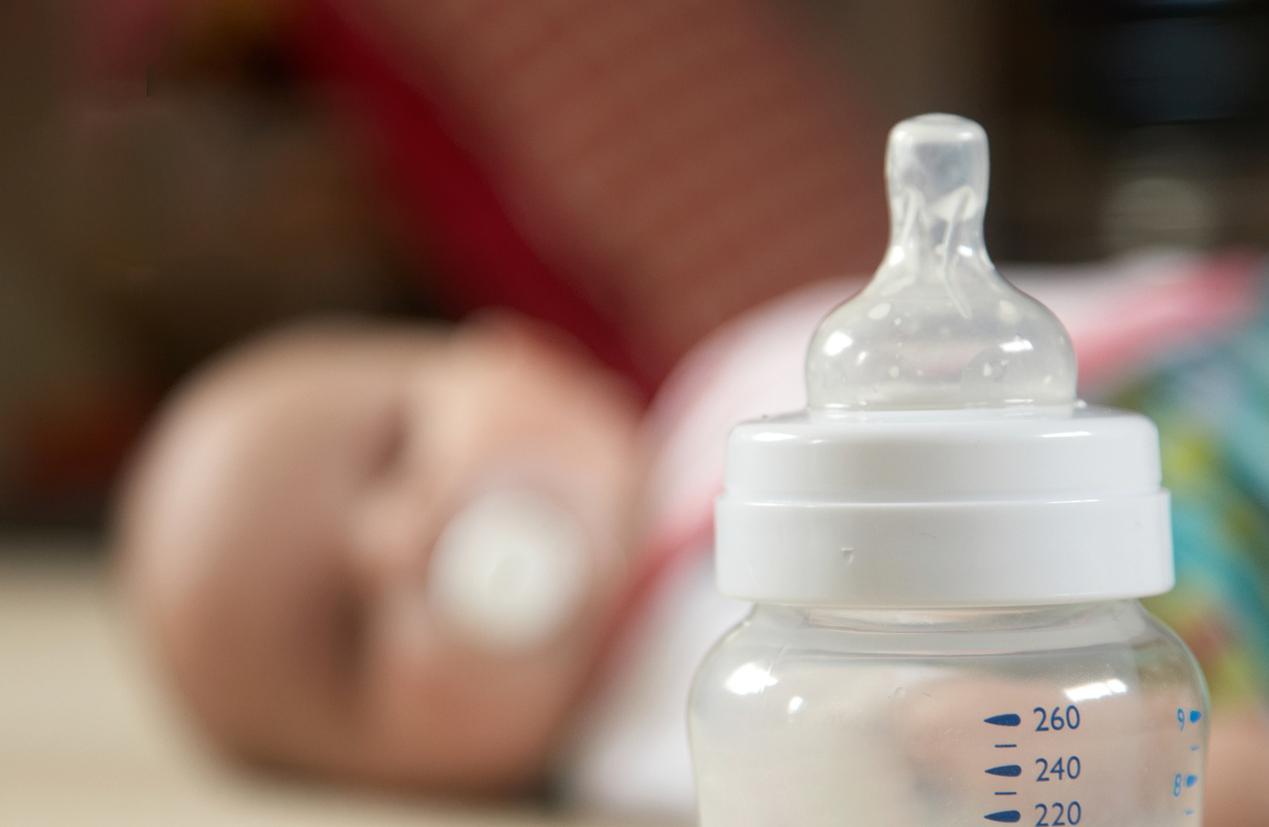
(285,537)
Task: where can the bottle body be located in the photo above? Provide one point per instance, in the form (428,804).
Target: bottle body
(1090,714)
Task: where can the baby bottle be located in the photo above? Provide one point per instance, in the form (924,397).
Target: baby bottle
(945,551)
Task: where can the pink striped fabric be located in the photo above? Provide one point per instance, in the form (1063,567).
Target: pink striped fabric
(680,159)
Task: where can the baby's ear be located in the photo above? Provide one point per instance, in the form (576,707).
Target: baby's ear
(507,330)
(512,339)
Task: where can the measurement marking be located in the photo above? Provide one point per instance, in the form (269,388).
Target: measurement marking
(1189,812)
(1015,746)
(1006,816)
(1006,770)
(1195,715)
(1194,747)
(1007,793)
(1191,780)
(1008,719)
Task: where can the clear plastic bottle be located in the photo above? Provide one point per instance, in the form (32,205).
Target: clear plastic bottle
(945,551)
(1084,714)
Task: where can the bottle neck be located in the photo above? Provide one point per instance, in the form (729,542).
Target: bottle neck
(923,621)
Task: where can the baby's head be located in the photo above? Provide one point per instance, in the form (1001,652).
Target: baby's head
(386,555)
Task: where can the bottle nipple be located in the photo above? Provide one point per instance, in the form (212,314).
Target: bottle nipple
(938,327)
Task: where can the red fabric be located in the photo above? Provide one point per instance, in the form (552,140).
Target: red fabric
(448,210)
(632,173)
(689,151)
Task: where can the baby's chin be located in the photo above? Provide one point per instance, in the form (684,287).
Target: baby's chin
(273,611)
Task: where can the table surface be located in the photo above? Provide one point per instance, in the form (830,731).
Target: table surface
(88,737)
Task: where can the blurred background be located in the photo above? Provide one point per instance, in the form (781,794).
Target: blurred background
(178,176)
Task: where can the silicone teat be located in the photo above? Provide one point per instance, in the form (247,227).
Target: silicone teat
(937,327)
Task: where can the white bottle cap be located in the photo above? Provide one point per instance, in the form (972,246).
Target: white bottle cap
(943,460)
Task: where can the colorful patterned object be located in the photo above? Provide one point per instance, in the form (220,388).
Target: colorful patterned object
(1211,403)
